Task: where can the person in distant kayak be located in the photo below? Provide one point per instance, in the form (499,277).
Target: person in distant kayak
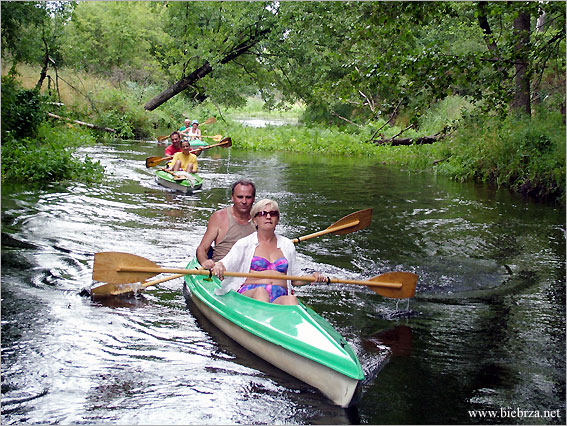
(175,144)
(185,160)
(191,132)
(228,225)
(185,128)
(263,251)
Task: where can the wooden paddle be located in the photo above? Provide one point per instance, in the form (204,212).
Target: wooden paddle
(350,223)
(216,138)
(154,161)
(123,268)
(210,120)
(117,289)
(175,176)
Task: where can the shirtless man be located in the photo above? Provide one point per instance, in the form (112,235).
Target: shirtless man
(228,225)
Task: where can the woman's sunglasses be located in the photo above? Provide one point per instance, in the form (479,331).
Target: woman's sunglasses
(273,213)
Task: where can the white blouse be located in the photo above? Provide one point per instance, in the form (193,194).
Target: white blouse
(240,256)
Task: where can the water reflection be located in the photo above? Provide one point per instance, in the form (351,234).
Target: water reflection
(397,340)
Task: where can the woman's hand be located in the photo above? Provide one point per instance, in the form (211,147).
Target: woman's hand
(218,270)
(319,278)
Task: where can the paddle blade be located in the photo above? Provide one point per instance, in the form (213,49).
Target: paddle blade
(153,161)
(210,120)
(407,279)
(226,142)
(117,289)
(106,266)
(360,220)
(162,138)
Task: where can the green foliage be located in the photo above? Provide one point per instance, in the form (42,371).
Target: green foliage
(20,24)
(525,155)
(115,39)
(49,158)
(121,109)
(31,31)
(22,110)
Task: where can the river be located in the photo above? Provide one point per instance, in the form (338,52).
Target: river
(482,341)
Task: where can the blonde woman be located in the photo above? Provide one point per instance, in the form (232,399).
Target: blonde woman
(262,251)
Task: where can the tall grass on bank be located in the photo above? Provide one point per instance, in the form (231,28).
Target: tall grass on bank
(526,155)
(35,150)
(50,157)
(115,104)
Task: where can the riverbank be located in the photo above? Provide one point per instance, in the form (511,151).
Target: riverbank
(526,155)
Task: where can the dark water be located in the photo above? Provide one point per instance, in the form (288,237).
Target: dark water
(482,342)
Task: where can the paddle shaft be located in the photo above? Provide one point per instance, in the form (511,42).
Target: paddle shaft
(117,289)
(260,275)
(326,231)
(227,141)
(161,280)
(176,177)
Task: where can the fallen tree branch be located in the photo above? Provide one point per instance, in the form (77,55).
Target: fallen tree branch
(345,119)
(387,122)
(402,131)
(82,123)
(410,141)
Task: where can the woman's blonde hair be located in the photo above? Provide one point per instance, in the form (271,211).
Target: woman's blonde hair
(259,206)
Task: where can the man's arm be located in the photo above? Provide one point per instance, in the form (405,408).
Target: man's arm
(210,236)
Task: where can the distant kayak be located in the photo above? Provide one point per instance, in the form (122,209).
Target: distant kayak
(185,186)
(197,143)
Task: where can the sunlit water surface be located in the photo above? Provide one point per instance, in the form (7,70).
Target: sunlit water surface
(486,330)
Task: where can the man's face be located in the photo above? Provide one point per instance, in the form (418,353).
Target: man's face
(175,139)
(243,198)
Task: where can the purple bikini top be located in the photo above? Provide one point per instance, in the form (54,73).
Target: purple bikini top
(261,264)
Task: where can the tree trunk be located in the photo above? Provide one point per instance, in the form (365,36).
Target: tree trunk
(202,71)
(82,123)
(178,87)
(485,26)
(521,101)
(43,73)
(409,141)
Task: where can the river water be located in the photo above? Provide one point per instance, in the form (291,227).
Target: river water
(482,342)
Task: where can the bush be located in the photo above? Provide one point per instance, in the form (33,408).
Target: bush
(22,110)
(50,157)
(526,154)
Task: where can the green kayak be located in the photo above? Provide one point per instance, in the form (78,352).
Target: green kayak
(197,143)
(293,338)
(185,186)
